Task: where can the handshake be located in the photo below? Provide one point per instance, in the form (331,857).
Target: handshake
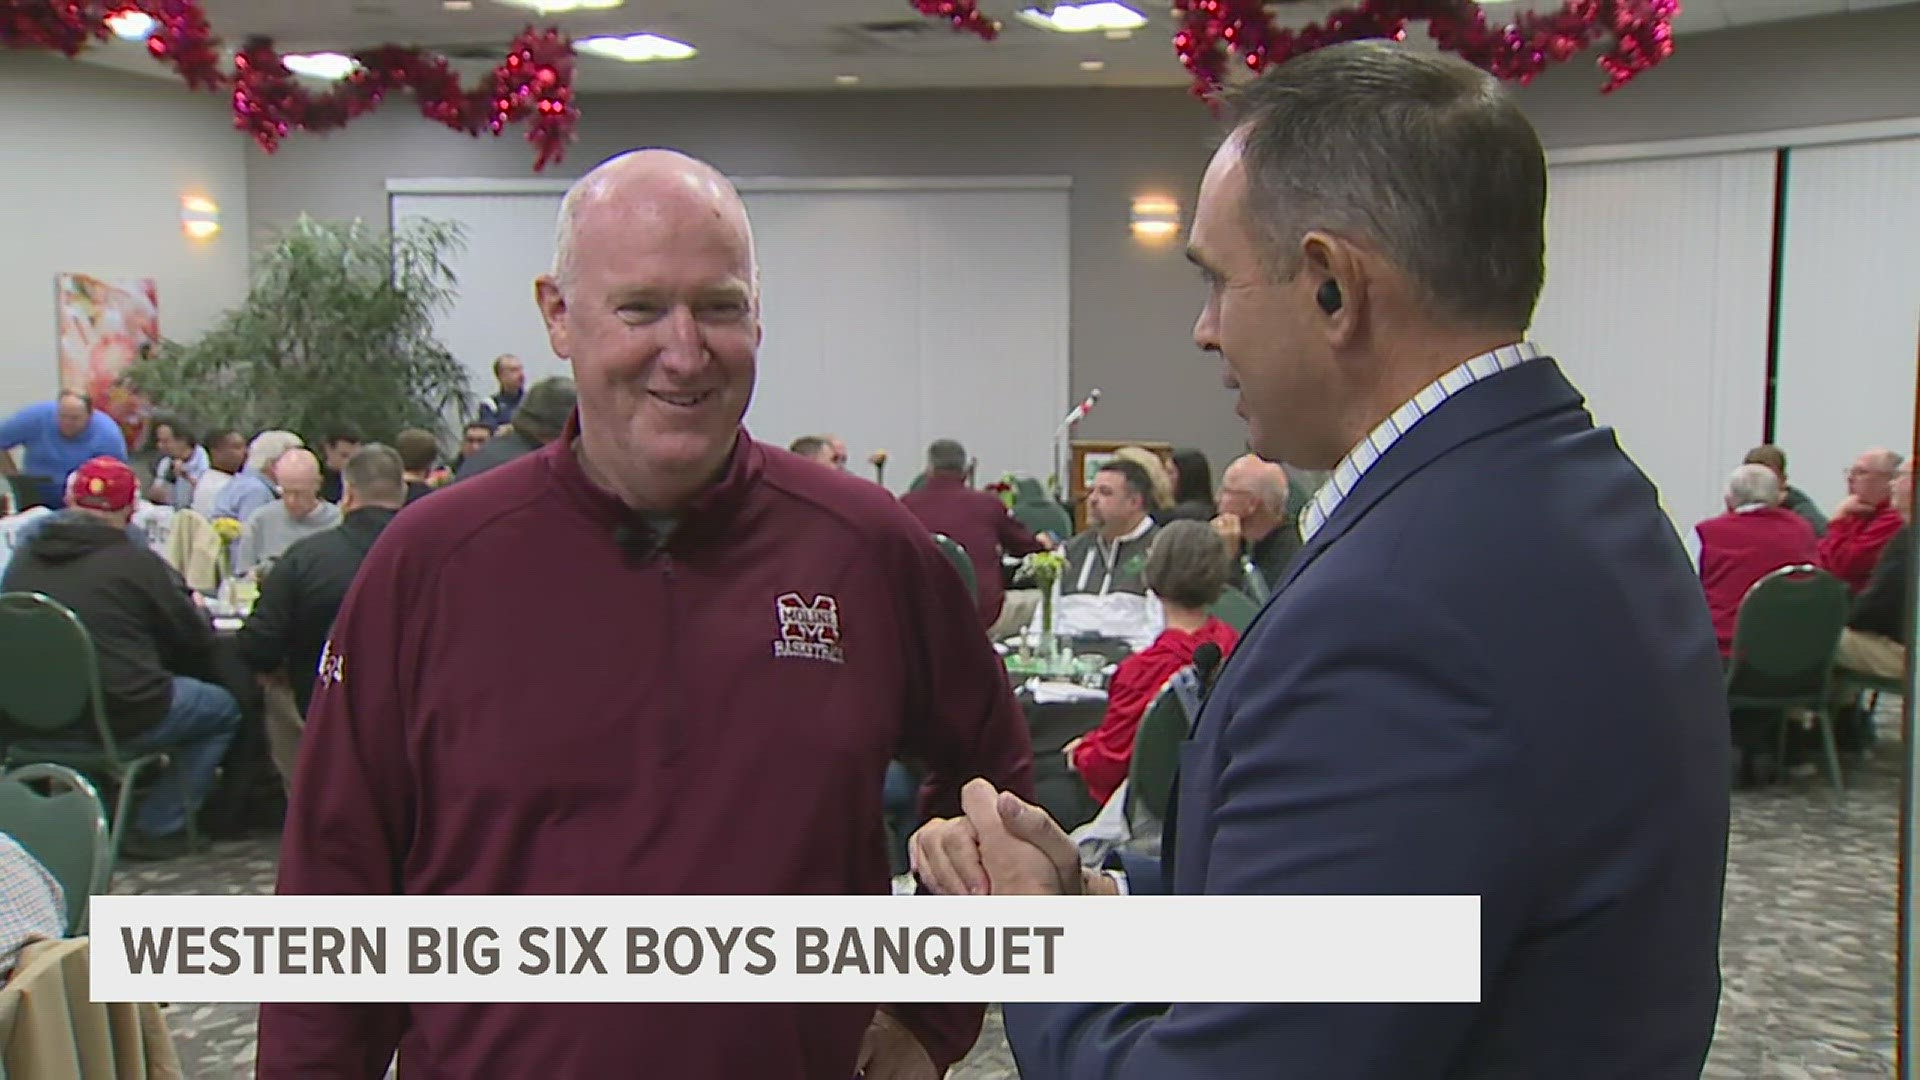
(1001,846)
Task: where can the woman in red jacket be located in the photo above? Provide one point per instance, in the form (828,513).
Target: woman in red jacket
(1187,569)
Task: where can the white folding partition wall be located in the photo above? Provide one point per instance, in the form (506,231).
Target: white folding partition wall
(1656,305)
(896,312)
(1849,308)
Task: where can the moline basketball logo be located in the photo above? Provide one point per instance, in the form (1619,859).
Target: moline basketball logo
(808,631)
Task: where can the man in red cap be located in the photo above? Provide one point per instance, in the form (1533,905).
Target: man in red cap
(155,649)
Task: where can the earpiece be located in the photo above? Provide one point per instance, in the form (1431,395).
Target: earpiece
(1329,296)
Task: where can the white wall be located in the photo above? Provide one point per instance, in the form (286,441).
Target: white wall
(96,164)
(1849,308)
(1657,306)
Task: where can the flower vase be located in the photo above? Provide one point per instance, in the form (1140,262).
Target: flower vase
(1049,648)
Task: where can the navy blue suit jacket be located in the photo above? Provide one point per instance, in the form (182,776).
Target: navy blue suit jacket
(1491,672)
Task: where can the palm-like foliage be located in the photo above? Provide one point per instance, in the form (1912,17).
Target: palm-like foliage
(336,334)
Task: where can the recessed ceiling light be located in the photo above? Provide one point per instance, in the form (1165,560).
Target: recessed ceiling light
(637,48)
(846,80)
(130,25)
(1081,18)
(457,5)
(1119,35)
(1093,65)
(326,65)
(555,7)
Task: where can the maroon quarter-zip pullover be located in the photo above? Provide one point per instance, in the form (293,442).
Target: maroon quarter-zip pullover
(526,694)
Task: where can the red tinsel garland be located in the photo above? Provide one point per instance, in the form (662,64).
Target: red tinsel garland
(180,36)
(534,83)
(962,14)
(1641,30)
(1211,32)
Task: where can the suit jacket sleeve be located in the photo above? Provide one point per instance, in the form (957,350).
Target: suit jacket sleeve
(1359,758)
(350,815)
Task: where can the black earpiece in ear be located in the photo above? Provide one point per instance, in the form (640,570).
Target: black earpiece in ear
(1329,296)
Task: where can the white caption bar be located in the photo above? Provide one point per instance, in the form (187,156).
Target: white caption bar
(786,948)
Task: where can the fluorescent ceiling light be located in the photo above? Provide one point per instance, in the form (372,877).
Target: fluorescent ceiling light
(637,48)
(457,5)
(1093,65)
(555,7)
(846,80)
(326,65)
(1081,18)
(130,25)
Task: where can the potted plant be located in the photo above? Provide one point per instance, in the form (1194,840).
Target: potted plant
(336,334)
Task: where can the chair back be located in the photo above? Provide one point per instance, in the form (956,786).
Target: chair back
(1234,608)
(1785,636)
(66,829)
(957,555)
(49,676)
(1042,515)
(1156,744)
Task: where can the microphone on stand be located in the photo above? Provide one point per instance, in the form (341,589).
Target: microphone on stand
(1081,410)
(1074,416)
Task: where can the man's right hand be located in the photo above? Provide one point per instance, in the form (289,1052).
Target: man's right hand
(1227,526)
(1034,855)
(1852,505)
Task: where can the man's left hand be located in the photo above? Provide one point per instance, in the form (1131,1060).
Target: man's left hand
(890,1052)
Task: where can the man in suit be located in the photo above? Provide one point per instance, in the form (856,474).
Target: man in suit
(1488,595)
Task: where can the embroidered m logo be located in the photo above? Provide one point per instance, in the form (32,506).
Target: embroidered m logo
(808,631)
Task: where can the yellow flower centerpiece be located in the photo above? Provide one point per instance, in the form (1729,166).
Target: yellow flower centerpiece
(228,530)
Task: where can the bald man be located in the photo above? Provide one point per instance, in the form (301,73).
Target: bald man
(749,639)
(298,513)
(1864,521)
(1253,519)
(55,437)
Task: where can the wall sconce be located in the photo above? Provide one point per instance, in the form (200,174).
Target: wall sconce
(1155,218)
(199,217)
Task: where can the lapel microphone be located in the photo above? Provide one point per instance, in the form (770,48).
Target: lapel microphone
(637,542)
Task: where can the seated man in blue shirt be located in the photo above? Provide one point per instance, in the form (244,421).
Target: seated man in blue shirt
(257,485)
(58,436)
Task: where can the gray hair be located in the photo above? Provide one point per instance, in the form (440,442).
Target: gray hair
(1421,157)
(1753,485)
(266,448)
(376,476)
(1187,564)
(946,456)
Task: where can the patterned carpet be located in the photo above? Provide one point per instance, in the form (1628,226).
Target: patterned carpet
(1808,945)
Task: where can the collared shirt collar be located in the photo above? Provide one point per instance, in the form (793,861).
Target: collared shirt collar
(1346,475)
